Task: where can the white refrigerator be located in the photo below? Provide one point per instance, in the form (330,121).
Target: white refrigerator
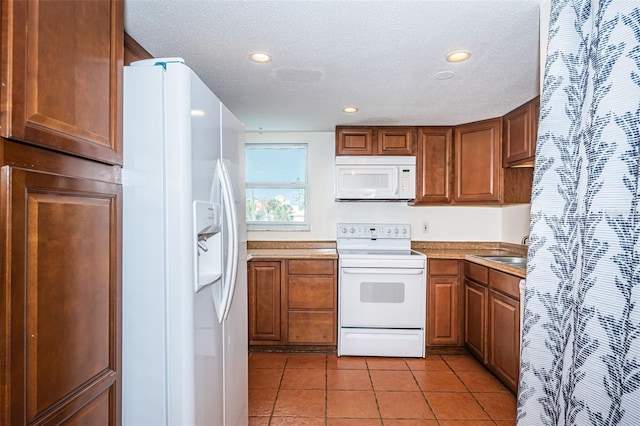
(184,252)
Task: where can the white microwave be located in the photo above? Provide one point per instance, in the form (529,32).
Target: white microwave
(375,178)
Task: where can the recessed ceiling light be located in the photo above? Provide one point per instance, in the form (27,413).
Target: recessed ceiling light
(350,110)
(260,57)
(458,56)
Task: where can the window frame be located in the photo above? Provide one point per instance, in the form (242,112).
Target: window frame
(281,225)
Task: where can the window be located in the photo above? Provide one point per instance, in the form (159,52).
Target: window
(276,186)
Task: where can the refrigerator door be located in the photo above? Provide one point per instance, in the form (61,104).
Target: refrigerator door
(235,326)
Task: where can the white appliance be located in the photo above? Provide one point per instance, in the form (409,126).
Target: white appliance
(375,178)
(381,291)
(184,252)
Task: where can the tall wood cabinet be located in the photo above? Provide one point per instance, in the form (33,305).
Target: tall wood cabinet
(60,200)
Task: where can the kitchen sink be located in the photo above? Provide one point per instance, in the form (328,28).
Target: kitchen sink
(516,261)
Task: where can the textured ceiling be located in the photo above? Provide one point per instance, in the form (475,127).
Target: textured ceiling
(381,56)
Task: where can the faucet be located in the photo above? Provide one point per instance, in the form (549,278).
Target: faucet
(525,240)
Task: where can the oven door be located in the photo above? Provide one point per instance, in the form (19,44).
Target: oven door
(382,297)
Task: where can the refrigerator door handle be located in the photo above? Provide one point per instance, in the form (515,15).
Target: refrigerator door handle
(232,261)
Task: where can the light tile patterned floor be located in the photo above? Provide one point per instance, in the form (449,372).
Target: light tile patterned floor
(287,389)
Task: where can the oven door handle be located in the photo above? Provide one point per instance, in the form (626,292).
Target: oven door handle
(389,271)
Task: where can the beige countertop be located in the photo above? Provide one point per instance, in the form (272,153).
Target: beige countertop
(278,250)
(291,253)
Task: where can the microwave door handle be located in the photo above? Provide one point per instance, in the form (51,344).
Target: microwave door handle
(396,180)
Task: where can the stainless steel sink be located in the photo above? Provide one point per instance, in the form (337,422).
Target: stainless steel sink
(516,261)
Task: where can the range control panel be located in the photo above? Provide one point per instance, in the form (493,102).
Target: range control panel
(374,231)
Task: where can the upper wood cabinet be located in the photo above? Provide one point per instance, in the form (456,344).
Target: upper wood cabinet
(62,76)
(395,140)
(367,140)
(520,131)
(478,169)
(434,165)
(354,140)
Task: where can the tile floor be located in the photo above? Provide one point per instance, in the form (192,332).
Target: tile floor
(323,389)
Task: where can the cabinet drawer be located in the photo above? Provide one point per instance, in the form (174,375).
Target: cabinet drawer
(311,327)
(443,267)
(508,284)
(476,272)
(311,267)
(311,292)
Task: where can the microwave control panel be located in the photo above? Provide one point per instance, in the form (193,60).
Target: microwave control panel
(406,178)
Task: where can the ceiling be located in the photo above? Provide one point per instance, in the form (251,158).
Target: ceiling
(380,56)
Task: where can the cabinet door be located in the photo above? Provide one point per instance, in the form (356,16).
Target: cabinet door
(478,166)
(520,133)
(60,321)
(435,145)
(64,75)
(475,325)
(264,301)
(504,338)
(443,311)
(354,141)
(395,140)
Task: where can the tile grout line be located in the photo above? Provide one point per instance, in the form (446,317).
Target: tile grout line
(273,408)
(470,392)
(375,394)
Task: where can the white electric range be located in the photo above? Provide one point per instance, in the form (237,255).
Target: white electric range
(381,291)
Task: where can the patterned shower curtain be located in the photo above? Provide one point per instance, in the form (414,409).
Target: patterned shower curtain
(580,351)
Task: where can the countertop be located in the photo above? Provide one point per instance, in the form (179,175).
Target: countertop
(291,253)
(278,250)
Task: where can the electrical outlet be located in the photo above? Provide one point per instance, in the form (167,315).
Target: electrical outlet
(425,227)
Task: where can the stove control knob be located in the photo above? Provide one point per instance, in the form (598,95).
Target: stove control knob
(404,230)
(343,230)
(352,230)
(396,231)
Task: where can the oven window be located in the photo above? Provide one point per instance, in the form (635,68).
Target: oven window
(381,292)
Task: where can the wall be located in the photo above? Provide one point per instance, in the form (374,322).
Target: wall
(515,223)
(446,223)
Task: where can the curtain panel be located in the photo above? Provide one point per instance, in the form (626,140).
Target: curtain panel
(580,349)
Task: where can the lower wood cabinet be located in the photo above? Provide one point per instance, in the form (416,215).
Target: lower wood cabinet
(492,321)
(504,338)
(293,302)
(264,289)
(475,325)
(444,310)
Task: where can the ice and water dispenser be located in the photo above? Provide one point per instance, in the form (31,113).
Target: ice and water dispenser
(207,223)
